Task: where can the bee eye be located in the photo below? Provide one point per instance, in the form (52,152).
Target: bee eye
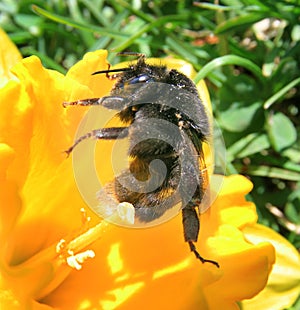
(142,78)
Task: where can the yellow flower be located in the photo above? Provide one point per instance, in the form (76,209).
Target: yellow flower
(50,260)
(9,55)
(283,287)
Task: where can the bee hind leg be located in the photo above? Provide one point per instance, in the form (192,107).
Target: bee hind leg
(191,227)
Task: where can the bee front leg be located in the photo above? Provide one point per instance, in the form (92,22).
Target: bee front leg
(110,102)
(191,227)
(112,133)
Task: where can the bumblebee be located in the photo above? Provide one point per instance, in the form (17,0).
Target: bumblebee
(166,125)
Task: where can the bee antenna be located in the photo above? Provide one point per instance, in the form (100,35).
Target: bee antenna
(111,70)
(141,57)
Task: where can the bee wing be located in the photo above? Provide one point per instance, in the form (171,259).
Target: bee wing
(206,199)
(211,186)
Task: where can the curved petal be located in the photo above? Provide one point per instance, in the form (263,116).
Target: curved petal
(283,287)
(35,174)
(9,195)
(9,56)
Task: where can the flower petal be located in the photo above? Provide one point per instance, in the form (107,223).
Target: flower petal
(81,72)
(283,286)
(9,56)
(9,195)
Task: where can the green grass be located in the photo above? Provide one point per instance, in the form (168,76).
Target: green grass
(253,76)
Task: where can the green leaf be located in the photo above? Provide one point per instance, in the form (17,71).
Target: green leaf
(238,119)
(158,23)
(216,7)
(281,131)
(293,153)
(88,27)
(295,34)
(281,162)
(251,144)
(239,21)
(270,172)
(27,21)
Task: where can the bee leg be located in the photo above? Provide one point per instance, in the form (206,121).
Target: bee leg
(97,101)
(112,133)
(191,227)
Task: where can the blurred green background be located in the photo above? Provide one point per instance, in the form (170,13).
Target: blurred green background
(248,52)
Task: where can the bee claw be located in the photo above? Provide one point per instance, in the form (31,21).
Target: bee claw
(198,256)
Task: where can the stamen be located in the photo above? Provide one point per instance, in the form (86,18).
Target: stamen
(126,212)
(76,261)
(84,217)
(60,246)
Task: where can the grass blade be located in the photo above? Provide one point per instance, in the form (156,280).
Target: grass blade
(280,93)
(229,60)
